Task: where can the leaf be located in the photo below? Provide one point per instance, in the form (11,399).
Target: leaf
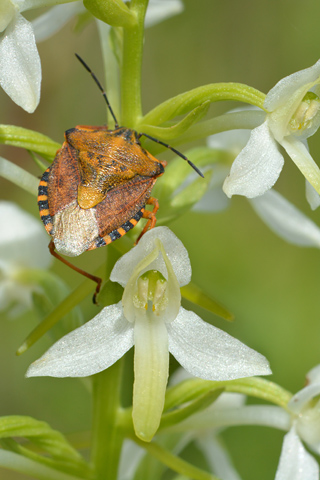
(32,468)
(180,414)
(110,294)
(45,438)
(194,294)
(67,304)
(113,12)
(28,139)
(174,131)
(42,165)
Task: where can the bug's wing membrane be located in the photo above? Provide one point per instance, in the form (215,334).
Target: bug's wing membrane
(64,178)
(123,203)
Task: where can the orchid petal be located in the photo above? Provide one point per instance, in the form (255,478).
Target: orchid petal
(313,376)
(299,153)
(23,242)
(257,167)
(217,457)
(233,140)
(131,455)
(7,12)
(286,220)
(54,19)
(295,462)
(89,349)
(159,10)
(151,370)
(214,200)
(130,290)
(20,69)
(176,253)
(291,89)
(173,289)
(305,404)
(312,196)
(31,4)
(7,289)
(209,353)
(303,397)
(229,400)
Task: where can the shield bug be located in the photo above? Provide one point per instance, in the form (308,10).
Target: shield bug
(97,188)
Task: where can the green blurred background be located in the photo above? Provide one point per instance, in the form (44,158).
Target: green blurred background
(272,287)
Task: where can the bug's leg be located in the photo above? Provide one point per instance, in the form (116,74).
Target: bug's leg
(98,280)
(151,216)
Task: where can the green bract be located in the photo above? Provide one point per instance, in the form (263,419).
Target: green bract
(113,12)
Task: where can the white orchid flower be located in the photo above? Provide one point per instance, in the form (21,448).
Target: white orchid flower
(293,107)
(295,462)
(50,22)
(23,246)
(20,68)
(159,10)
(151,318)
(280,215)
(285,220)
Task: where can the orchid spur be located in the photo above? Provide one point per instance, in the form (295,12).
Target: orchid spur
(293,114)
(151,318)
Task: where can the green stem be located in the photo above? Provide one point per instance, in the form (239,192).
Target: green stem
(175,463)
(131,70)
(111,72)
(106,436)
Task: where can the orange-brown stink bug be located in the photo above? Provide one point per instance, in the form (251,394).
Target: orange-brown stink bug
(97,187)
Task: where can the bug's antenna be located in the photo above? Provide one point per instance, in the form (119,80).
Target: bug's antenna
(175,151)
(100,87)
